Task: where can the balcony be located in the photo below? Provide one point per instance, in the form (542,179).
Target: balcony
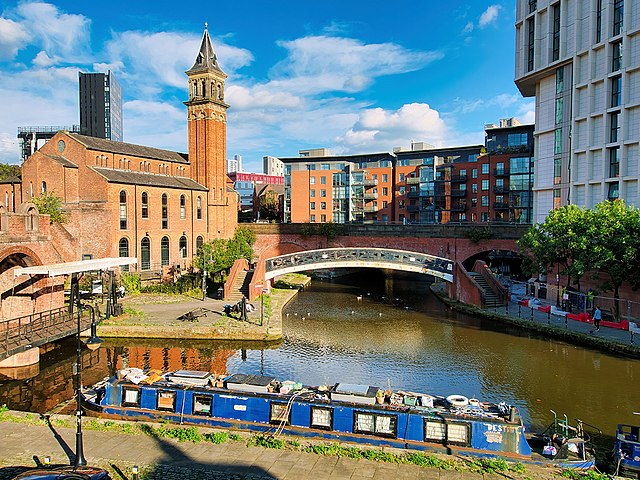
(458,193)
(413,208)
(370,196)
(369,182)
(458,178)
(500,172)
(500,189)
(370,209)
(413,194)
(459,207)
(501,206)
(412,180)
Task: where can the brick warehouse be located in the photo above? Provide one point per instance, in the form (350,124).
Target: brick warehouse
(131,200)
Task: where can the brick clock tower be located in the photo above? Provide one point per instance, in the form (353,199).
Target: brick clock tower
(207,117)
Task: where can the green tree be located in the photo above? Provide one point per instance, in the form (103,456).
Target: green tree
(219,254)
(9,170)
(563,240)
(270,206)
(50,204)
(616,246)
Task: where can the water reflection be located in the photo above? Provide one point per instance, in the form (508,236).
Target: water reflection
(397,335)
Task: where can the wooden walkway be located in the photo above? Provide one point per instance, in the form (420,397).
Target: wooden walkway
(23,333)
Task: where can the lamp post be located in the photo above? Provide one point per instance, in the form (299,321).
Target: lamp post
(93,343)
(557,290)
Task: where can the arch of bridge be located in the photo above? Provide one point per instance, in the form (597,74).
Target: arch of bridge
(460,249)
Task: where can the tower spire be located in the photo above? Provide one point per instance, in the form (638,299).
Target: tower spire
(206,59)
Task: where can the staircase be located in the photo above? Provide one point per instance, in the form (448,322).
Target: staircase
(240,287)
(491,300)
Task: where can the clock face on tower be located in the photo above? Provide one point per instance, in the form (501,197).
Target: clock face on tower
(61,146)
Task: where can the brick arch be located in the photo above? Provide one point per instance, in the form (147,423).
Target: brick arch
(20,250)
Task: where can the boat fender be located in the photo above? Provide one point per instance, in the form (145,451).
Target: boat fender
(474,402)
(458,400)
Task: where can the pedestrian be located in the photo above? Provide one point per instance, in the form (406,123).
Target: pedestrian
(589,298)
(597,316)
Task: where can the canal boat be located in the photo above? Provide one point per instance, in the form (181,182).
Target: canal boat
(626,450)
(341,412)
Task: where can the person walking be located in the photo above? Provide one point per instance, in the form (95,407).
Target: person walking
(597,316)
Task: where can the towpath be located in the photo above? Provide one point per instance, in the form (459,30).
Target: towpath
(168,459)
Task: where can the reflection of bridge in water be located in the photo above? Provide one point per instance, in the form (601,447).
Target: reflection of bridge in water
(360,258)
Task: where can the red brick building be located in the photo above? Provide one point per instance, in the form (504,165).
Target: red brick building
(131,200)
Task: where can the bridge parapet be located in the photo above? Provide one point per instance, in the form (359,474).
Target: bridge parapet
(360,257)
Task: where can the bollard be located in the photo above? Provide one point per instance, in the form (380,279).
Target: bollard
(519,308)
(531,313)
(566,322)
(549,317)
(134,472)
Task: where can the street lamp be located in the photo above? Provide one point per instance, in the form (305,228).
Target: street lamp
(93,343)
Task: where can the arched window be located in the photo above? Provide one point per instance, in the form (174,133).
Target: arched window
(123,251)
(123,210)
(145,205)
(199,208)
(199,242)
(145,254)
(183,247)
(183,207)
(165,212)
(164,251)
(44,187)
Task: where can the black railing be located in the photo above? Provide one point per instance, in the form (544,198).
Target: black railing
(19,334)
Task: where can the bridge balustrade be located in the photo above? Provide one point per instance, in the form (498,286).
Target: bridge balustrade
(412,261)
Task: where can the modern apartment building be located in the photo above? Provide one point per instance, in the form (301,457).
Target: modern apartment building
(272,166)
(581,60)
(473,183)
(100,106)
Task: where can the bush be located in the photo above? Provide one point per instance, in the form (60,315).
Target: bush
(131,282)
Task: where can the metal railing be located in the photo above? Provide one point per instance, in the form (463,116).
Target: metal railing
(19,334)
(330,256)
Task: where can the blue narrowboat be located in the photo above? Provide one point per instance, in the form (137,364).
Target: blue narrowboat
(626,450)
(341,412)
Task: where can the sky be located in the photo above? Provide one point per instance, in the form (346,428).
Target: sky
(354,76)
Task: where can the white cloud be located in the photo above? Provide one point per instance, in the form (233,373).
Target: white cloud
(155,60)
(489,15)
(316,64)
(13,36)
(244,98)
(64,37)
(468,28)
(168,121)
(380,130)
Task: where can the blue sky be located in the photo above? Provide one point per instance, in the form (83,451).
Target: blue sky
(354,76)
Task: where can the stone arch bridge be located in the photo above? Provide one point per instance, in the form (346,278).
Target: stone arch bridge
(448,245)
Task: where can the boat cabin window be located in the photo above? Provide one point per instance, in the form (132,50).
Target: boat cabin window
(279,413)
(321,418)
(130,397)
(167,400)
(447,433)
(201,405)
(375,424)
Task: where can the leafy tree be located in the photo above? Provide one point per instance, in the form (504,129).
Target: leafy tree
(606,239)
(616,246)
(270,206)
(219,254)
(50,204)
(9,170)
(562,239)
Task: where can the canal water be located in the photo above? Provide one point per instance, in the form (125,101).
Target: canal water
(382,329)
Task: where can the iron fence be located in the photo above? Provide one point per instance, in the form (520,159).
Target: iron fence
(18,334)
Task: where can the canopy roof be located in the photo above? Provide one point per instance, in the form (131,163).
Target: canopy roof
(75,267)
